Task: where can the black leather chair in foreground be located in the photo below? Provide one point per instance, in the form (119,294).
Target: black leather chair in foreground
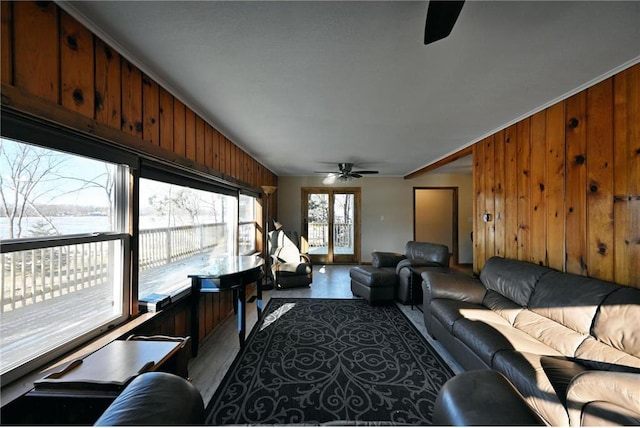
(156,398)
(482,397)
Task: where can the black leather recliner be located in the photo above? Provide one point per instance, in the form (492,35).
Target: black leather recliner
(289,267)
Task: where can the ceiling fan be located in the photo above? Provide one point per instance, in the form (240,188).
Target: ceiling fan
(346,172)
(441,17)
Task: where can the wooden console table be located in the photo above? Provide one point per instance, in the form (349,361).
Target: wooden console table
(79,393)
(223,274)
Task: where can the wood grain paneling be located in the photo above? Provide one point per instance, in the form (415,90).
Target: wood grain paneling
(523,145)
(199,145)
(511,193)
(575,191)
(179,127)
(489,194)
(76,57)
(479,253)
(166,120)
(208,145)
(36,49)
(108,93)
(224,148)
(538,149)
(600,180)
(215,146)
(150,111)
(569,197)
(190,134)
(554,186)
(6,42)
(627,176)
(499,195)
(131,99)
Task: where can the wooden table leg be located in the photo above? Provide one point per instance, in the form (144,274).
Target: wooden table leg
(195,315)
(259,297)
(242,312)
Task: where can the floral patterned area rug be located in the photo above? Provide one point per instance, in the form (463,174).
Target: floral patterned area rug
(318,361)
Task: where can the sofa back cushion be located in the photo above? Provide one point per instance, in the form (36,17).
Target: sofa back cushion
(513,279)
(570,300)
(617,322)
(561,338)
(434,253)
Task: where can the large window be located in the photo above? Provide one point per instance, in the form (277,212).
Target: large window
(66,243)
(247,225)
(179,228)
(62,230)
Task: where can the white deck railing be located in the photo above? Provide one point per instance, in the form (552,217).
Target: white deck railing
(342,235)
(31,276)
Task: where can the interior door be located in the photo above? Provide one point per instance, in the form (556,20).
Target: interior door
(436,217)
(331,224)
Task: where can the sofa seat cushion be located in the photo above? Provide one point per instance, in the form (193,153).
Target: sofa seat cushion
(525,371)
(604,413)
(623,389)
(598,356)
(492,334)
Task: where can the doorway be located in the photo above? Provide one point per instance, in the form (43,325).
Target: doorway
(435,217)
(331,224)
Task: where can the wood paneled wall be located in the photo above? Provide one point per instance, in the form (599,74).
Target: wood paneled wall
(54,68)
(563,186)
(48,55)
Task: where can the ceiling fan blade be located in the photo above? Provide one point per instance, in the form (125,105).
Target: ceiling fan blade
(326,172)
(354,175)
(364,172)
(441,17)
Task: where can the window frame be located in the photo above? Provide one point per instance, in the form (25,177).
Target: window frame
(254,249)
(36,133)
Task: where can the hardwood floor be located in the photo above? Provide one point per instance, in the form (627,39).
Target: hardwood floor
(218,350)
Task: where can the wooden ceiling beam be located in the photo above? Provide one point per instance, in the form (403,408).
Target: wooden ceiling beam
(457,155)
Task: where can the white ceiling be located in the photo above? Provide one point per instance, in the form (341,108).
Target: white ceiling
(304,85)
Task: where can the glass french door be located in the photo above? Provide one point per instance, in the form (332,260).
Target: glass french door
(331,224)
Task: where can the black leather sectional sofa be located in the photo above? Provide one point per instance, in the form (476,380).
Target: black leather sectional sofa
(569,344)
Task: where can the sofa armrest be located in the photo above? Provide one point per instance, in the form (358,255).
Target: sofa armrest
(381,259)
(452,286)
(621,389)
(156,398)
(482,397)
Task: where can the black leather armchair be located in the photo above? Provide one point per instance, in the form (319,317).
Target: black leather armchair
(417,257)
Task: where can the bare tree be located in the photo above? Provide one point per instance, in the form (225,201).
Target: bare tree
(188,201)
(28,173)
(103,181)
